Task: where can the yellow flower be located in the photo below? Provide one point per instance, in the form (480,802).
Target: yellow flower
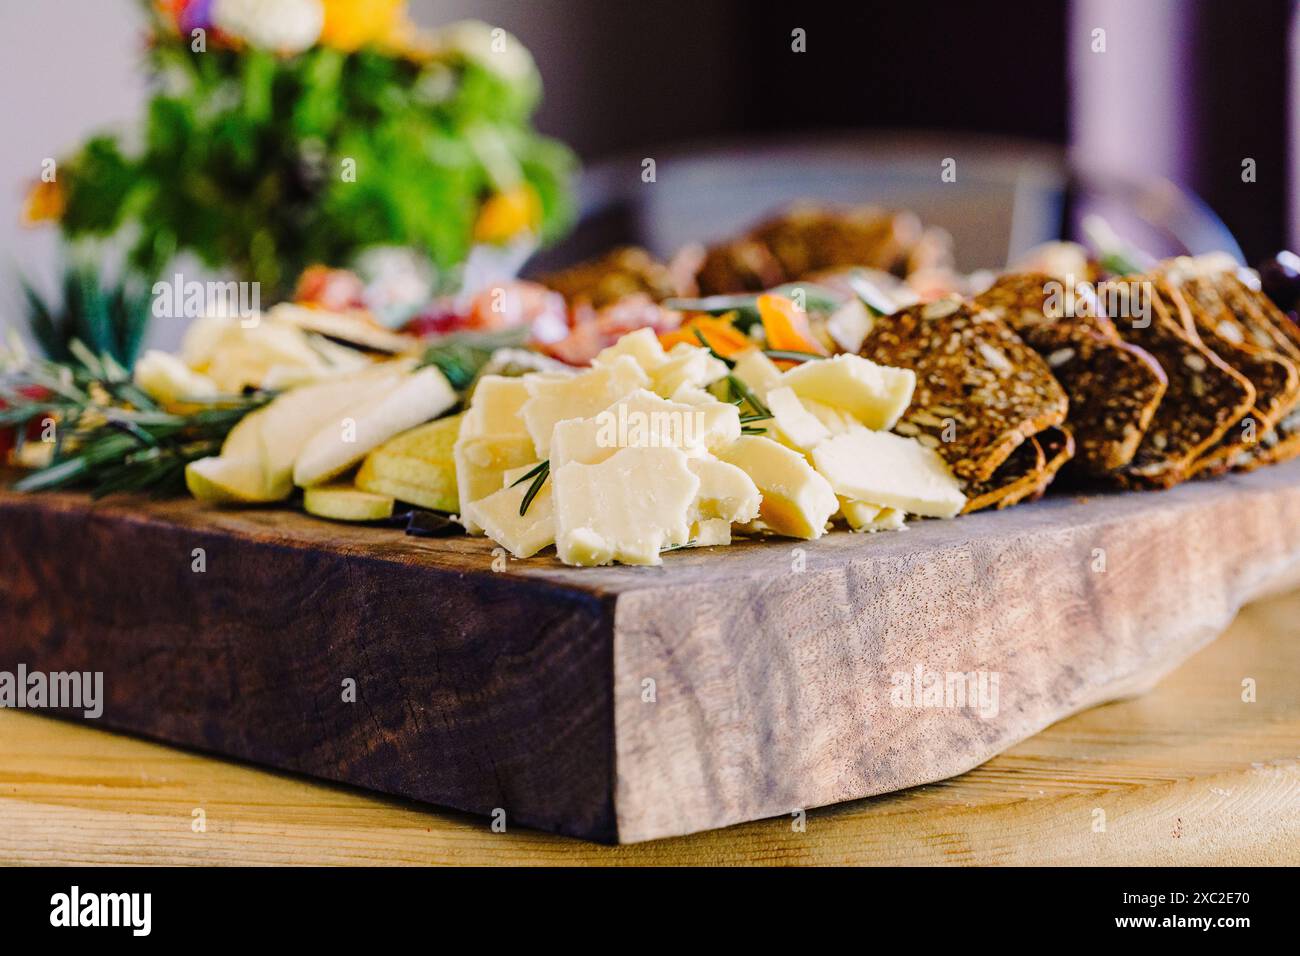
(45,203)
(352,24)
(507,214)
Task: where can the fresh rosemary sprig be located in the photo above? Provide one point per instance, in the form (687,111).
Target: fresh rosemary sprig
(461,355)
(538,475)
(741,391)
(108,435)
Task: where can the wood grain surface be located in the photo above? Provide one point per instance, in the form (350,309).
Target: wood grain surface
(625,703)
(1188,774)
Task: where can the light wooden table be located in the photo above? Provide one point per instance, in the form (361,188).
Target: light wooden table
(1188,774)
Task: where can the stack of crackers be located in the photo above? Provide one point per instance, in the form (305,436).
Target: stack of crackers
(1140,382)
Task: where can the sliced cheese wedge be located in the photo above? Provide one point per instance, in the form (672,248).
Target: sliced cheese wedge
(797,501)
(891,470)
(496,407)
(498,515)
(642,345)
(876,395)
(553,399)
(757,372)
(863,516)
(791,423)
(481,464)
(627,508)
(726,492)
(644,420)
(686,365)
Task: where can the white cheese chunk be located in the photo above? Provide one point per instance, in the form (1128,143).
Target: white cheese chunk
(553,399)
(642,345)
(791,423)
(498,515)
(644,420)
(864,516)
(687,365)
(757,372)
(481,463)
(710,533)
(796,500)
(876,395)
(627,508)
(496,406)
(836,420)
(726,492)
(891,470)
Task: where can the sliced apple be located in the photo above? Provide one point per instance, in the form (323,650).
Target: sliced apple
(345,503)
(340,444)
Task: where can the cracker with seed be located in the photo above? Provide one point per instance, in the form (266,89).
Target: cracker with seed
(980,391)
(1204,397)
(1114,388)
(1026,473)
(1268,327)
(1274,377)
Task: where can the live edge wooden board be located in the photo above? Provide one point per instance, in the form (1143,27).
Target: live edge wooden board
(626,704)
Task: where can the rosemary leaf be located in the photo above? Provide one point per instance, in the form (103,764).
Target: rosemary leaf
(541,472)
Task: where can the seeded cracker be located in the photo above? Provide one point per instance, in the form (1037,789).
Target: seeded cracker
(1273,376)
(1025,475)
(1266,322)
(977,384)
(1113,387)
(1204,398)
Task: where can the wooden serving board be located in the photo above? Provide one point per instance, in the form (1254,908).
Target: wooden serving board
(627,704)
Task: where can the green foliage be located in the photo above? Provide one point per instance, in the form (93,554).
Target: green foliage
(109,321)
(243,155)
(111,436)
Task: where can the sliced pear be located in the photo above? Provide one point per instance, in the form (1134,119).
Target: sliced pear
(340,444)
(226,479)
(345,503)
(416,466)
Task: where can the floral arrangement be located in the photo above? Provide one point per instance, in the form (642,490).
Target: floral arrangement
(286,133)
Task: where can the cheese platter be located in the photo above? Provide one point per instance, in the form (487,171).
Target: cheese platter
(723,547)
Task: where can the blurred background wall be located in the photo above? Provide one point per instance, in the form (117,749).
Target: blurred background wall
(1185,88)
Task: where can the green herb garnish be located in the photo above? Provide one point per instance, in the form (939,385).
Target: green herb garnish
(538,474)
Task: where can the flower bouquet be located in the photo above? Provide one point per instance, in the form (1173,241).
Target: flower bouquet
(285,133)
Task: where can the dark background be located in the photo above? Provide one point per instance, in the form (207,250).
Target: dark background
(1195,91)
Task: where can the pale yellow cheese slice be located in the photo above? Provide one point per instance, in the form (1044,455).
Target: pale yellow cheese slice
(553,399)
(797,501)
(627,508)
(876,395)
(890,470)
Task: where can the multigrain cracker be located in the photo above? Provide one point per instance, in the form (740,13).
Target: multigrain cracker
(1113,387)
(1203,399)
(1273,376)
(980,391)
